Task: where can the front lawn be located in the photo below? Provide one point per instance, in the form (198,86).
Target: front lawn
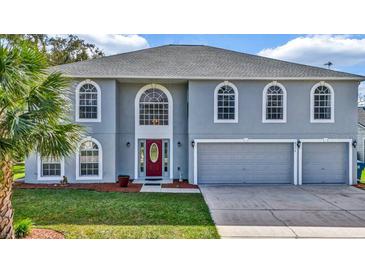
(95,215)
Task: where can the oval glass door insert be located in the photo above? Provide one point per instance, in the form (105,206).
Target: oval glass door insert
(154,153)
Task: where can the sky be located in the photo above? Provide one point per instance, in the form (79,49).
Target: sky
(346,52)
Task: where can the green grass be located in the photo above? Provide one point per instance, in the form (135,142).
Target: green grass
(101,215)
(19,171)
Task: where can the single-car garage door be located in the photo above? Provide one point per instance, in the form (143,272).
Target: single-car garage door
(325,163)
(249,163)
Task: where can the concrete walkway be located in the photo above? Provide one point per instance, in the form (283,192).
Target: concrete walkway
(158,188)
(287,211)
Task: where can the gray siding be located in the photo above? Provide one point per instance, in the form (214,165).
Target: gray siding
(104,132)
(201,109)
(193,119)
(245,163)
(126,123)
(325,163)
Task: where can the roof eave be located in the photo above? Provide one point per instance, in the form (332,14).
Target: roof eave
(355,78)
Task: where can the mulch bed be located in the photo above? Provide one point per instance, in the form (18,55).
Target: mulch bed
(177,184)
(102,187)
(360,186)
(40,233)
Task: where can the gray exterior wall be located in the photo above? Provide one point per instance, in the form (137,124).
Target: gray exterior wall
(126,126)
(193,110)
(201,111)
(117,128)
(104,132)
(360,143)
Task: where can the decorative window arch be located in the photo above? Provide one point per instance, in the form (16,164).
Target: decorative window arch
(226,103)
(153,107)
(322,103)
(88,102)
(89,160)
(274,103)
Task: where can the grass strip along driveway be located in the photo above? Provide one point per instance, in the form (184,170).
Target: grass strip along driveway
(102,215)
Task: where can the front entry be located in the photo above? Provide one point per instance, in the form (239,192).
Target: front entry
(154,158)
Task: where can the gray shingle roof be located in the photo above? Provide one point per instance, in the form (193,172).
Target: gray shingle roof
(195,62)
(361,116)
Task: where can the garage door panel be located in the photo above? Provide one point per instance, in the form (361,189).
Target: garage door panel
(325,163)
(245,163)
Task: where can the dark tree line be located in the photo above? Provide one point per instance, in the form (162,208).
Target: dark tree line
(58,49)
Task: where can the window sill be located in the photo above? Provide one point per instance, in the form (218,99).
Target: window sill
(322,121)
(81,178)
(50,178)
(88,120)
(225,121)
(274,121)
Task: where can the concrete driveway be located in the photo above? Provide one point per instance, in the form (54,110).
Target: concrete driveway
(287,211)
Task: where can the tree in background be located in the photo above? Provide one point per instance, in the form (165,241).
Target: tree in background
(59,49)
(34,109)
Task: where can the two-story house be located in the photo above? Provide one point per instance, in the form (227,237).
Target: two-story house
(208,115)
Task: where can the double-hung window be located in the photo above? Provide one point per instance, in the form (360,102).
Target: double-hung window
(226,103)
(322,103)
(88,102)
(274,103)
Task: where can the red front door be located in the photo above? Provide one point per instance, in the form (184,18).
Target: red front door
(154,158)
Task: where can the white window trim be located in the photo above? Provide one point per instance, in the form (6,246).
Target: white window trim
(332,120)
(216,120)
(264,100)
(98,177)
(77,102)
(49,178)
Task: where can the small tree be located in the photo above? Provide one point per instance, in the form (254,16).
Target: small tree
(34,109)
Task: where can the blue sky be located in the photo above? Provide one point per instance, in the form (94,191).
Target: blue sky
(346,52)
(245,43)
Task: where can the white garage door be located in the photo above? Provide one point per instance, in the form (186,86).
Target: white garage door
(251,163)
(325,163)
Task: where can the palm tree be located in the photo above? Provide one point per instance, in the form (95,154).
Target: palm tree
(34,110)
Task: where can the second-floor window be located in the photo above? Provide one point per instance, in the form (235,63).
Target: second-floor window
(322,103)
(154,108)
(88,102)
(274,103)
(226,103)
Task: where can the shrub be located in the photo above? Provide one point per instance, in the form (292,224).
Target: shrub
(23,228)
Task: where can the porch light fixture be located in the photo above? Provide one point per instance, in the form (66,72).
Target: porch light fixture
(179,144)
(299,143)
(192,143)
(128,144)
(354,143)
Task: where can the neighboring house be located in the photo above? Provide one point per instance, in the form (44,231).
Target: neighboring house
(208,115)
(361,134)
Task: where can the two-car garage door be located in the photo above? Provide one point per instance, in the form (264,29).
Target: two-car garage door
(250,163)
(272,163)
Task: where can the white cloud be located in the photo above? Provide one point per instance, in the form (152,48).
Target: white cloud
(116,43)
(341,50)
